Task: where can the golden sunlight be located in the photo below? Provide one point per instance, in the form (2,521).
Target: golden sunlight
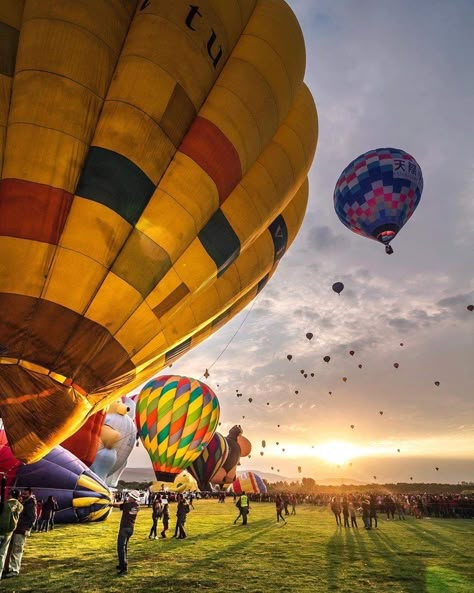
(337,452)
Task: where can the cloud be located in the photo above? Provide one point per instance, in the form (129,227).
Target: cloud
(323,238)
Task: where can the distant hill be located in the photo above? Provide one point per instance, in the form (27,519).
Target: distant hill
(138,474)
(146,474)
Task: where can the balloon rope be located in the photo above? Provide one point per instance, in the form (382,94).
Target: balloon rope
(232,338)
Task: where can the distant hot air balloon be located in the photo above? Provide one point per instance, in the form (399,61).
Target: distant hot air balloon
(396,365)
(338,287)
(437,383)
(312,374)
(330,393)
(302,371)
(305,375)
(398,450)
(360,366)
(296,391)
(134,130)
(176,418)
(381,412)
(344,379)
(309,335)
(375,477)
(437,469)
(250,400)
(264,444)
(208,463)
(378,192)
(261,452)
(289,356)
(470,308)
(401,343)
(206,374)
(268,403)
(351,352)
(352,425)
(299,469)
(411,478)
(277,443)
(327,358)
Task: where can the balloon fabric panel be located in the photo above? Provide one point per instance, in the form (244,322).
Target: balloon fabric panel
(140,151)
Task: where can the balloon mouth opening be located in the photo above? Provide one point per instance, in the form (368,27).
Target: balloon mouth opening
(386,233)
(165,476)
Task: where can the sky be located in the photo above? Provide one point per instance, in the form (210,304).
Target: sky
(382,74)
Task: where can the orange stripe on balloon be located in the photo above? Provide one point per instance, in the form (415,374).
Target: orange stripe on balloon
(32,210)
(23,398)
(215,154)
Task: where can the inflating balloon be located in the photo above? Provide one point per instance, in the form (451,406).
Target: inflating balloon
(84,443)
(327,358)
(309,335)
(239,446)
(212,458)
(131,177)
(338,287)
(117,439)
(176,418)
(248,482)
(378,192)
(81,495)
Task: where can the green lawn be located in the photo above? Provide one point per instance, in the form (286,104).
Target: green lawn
(308,555)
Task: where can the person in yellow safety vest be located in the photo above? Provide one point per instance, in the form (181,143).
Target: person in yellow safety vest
(244,507)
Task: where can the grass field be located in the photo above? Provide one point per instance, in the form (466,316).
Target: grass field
(308,555)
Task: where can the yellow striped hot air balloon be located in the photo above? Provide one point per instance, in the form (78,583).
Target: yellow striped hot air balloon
(176,418)
(154,159)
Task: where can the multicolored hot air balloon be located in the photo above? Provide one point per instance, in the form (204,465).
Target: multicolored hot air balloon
(248,482)
(239,446)
(81,495)
(154,160)
(378,192)
(212,458)
(176,418)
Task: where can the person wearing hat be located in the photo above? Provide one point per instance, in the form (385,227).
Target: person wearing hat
(129,509)
(9,514)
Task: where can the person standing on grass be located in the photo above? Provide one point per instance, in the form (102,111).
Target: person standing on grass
(293,504)
(165,517)
(9,515)
(336,509)
(366,513)
(279,508)
(345,511)
(244,507)
(352,512)
(23,529)
(373,509)
(129,510)
(237,504)
(156,513)
(181,512)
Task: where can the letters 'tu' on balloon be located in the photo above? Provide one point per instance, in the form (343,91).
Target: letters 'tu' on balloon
(154,160)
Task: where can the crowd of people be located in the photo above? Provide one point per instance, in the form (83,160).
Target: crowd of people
(21,514)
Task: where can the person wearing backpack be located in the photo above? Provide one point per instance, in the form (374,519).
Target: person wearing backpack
(24,526)
(9,514)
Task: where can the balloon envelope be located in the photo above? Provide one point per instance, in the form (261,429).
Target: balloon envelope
(204,468)
(249,482)
(378,192)
(130,183)
(338,287)
(81,495)
(176,418)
